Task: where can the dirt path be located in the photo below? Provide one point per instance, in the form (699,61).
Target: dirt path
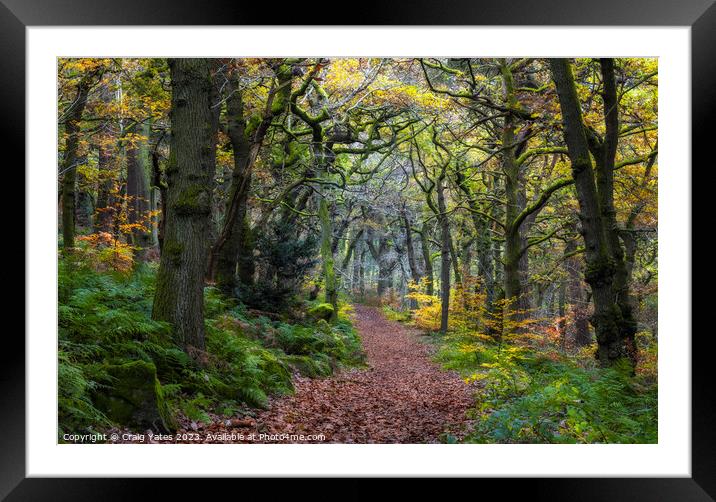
(402,397)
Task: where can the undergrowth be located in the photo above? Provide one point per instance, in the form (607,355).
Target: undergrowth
(529,389)
(528,395)
(105,318)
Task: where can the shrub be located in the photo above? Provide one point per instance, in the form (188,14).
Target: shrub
(283,260)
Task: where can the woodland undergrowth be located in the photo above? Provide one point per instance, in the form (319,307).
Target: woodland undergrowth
(105,318)
(534,387)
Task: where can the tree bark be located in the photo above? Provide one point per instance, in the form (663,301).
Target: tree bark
(161,204)
(427,260)
(361,273)
(68,167)
(445,242)
(385,264)
(138,200)
(179,297)
(514,187)
(612,319)
(577,298)
(234,245)
(329,273)
(412,263)
(232,242)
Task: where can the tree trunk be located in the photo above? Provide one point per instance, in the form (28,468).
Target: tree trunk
(561,313)
(445,242)
(361,273)
(85,209)
(179,297)
(138,200)
(329,274)
(412,264)
(234,246)
(68,168)
(577,299)
(355,269)
(605,162)
(612,320)
(385,265)
(455,262)
(513,188)
(232,240)
(161,204)
(427,261)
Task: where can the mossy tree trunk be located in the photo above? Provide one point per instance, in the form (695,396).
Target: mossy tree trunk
(329,273)
(233,247)
(514,186)
(179,296)
(355,267)
(351,249)
(445,243)
(160,199)
(229,245)
(85,209)
(427,259)
(323,157)
(606,272)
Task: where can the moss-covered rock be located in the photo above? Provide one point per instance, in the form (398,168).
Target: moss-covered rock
(321,311)
(134,397)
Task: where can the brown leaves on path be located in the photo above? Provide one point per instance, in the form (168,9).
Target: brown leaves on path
(402,397)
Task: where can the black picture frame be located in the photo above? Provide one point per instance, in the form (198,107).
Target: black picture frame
(700,15)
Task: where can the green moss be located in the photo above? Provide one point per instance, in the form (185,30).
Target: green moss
(283,73)
(134,397)
(252,124)
(321,311)
(173,250)
(172,166)
(599,271)
(279,103)
(194,199)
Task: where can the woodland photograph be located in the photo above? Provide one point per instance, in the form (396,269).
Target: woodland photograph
(357,250)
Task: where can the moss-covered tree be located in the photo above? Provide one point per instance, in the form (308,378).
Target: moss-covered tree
(606,271)
(180,280)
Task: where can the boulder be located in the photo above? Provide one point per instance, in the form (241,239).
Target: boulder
(134,397)
(321,311)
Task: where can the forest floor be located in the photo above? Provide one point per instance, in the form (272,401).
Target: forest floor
(400,396)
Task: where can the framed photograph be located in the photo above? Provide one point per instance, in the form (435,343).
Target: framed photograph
(417,242)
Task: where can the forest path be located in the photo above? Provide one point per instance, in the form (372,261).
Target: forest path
(401,397)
